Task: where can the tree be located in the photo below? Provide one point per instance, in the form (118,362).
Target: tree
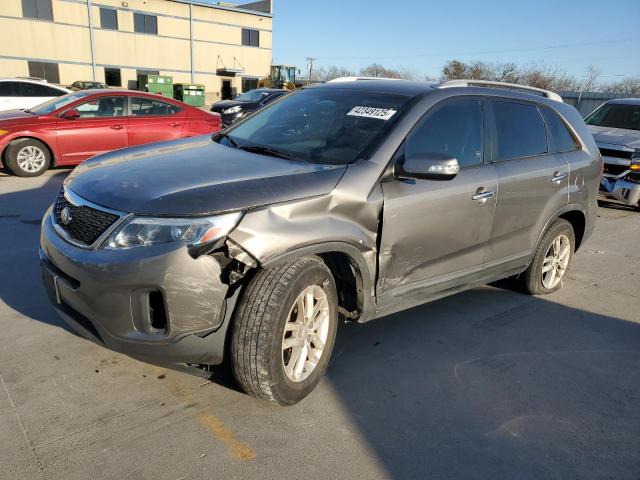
(590,83)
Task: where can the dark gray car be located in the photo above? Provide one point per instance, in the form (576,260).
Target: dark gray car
(340,201)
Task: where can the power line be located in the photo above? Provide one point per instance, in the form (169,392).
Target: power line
(487,52)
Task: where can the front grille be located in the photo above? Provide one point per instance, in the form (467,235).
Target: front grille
(612,169)
(610,152)
(87,224)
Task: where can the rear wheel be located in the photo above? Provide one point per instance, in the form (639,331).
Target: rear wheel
(551,260)
(27,157)
(284,331)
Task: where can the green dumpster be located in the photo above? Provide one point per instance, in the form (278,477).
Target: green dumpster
(160,84)
(189,93)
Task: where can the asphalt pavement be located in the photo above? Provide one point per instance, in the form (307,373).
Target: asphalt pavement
(487,384)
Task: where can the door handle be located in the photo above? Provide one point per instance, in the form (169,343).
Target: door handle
(557,178)
(174,124)
(482,195)
(117,127)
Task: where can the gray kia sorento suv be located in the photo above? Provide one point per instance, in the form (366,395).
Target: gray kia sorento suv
(346,201)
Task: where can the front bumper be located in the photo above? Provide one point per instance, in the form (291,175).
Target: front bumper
(621,190)
(104,295)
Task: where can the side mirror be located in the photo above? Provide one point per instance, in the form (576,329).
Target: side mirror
(430,166)
(71,115)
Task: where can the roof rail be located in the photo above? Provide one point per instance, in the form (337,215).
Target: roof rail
(507,86)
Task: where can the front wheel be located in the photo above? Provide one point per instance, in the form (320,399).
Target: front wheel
(551,260)
(284,330)
(27,157)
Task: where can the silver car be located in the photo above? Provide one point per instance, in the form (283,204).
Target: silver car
(615,126)
(350,200)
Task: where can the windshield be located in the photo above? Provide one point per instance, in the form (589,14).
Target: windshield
(252,96)
(56,103)
(320,125)
(616,115)
(94,85)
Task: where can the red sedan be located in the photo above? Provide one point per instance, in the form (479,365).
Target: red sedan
(70,129)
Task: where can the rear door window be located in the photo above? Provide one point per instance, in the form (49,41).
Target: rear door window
(9,89)
(520,130)
(146,107)
(560,138)
(454,129)
(36,90)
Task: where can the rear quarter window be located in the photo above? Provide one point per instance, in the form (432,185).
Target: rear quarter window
(560,138)
(520,130)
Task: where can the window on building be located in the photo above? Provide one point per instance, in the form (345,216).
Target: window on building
(148,106)
(143,23)
(520,130)
(455,129)
(112,77)
(47,71)
(250,37)
(38,9)
(109,18)
(249,84)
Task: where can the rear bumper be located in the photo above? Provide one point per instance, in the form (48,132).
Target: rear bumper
(104,296)
(621,190)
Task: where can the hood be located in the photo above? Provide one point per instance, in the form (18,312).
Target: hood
(196,176)
(17,117)
(616,136)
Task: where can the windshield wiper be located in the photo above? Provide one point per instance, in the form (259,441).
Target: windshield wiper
(272,152)
(26,110)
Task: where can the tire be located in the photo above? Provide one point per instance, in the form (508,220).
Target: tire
(27,157)
(262,328)
(536,282)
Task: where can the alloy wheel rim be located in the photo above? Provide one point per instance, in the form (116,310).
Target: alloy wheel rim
(305,333)
(556,261)
(30,158)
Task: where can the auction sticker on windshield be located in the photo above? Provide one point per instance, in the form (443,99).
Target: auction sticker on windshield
(372,112)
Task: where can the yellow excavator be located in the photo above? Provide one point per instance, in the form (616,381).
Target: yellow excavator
(281,76)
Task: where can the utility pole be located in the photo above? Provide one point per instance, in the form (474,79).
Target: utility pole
(91,44)
(310,61)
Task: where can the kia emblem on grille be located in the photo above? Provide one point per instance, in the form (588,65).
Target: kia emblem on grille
(66,216)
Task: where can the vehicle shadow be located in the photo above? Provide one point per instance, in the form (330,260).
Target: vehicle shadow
(21,212)
(615,205)
(494,384)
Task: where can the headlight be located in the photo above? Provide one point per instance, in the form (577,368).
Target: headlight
(231,110)
(194,232)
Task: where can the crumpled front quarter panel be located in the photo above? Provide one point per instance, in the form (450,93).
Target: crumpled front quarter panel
(349,214)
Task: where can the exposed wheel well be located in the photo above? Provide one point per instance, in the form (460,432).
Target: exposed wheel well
(349,283)
(578,222)
(26,137)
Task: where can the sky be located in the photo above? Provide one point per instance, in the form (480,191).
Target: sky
(423,35)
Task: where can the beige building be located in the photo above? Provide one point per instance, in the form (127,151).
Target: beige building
(226,47)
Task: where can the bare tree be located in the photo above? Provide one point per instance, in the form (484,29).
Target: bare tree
(324,74)
(628,87)
(590,83)
(536,74)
